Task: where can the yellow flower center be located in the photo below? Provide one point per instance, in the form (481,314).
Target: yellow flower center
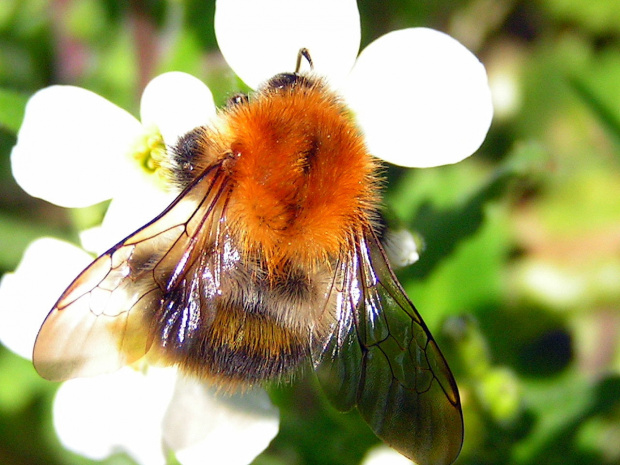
(149,152)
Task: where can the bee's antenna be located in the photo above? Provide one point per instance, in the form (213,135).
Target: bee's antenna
(303,52)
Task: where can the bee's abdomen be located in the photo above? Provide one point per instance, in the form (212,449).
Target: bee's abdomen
(228,340)
(249,347)
(227,320)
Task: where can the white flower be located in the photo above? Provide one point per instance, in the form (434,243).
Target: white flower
(142,413)
(75,149)
(148,415)
(421,98)
(48,266)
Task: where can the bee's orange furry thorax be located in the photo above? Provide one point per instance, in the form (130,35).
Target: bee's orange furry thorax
(302,178)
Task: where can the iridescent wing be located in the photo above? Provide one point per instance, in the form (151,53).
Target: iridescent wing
(383,359)
(104,320)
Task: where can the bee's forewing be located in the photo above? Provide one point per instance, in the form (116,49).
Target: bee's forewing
(383,359)
(103,321)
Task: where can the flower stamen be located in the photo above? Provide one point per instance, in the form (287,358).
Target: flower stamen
(149,151)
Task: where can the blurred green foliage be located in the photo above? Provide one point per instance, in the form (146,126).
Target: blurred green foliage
(520,276)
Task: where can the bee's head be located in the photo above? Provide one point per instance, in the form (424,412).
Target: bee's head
(287,81)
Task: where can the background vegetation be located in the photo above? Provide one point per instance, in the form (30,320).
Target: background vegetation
(520,278)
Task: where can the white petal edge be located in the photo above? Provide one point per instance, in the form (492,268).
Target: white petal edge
(98,416)
(421,98)
(28,294)
(230,429)
(72,146)
(176,103)
(383,455)
(261,39)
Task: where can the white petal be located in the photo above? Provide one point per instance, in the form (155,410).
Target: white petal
(98,416)
(28,294)
(261,39)
(401,248)
(72,146)
(131,209)
(383,455)
(176,103)
(421,98)
(227,429)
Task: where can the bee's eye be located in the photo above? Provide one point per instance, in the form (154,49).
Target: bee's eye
(237,99)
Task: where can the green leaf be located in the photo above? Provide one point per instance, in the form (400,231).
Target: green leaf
(12,108)
(444,229)
(605,114)
(16,234)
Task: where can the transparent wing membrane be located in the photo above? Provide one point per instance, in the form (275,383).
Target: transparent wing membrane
(103,320)
(388,365)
